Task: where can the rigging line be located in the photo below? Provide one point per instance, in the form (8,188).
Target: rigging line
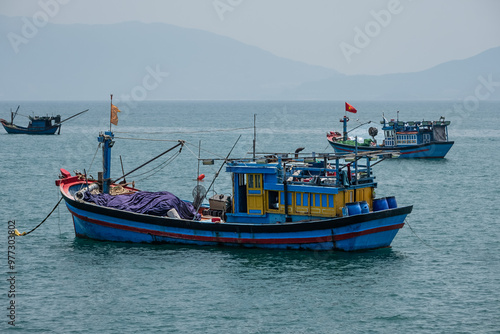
(92,162)
(146,139)
(163,165)
(23,115)
(217,174)
(156,167)
(215,154)
(425,243)
(16,232)
(168,160)
(181,144)
(194,154)
(189,132)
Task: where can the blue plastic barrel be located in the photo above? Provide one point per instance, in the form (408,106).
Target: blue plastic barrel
(364,207)
(353,208)
(391,202)
(380,204)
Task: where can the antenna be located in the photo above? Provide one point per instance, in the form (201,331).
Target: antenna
(254,135)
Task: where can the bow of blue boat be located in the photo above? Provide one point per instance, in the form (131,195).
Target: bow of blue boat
(411,139)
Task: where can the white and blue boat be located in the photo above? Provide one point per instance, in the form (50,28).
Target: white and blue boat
(279,201)
(411,139)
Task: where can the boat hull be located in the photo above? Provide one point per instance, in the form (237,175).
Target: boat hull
(353,233)
(14,129)
(434,150)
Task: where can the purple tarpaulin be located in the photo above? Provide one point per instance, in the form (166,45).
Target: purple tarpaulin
(150,203)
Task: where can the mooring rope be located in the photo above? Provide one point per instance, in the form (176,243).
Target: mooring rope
(425,243)
(16,232)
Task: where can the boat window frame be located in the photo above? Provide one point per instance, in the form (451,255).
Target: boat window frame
(254,181)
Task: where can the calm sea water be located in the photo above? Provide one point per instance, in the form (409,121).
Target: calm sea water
(442,275)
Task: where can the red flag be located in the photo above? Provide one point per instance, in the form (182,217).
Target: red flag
(350,108)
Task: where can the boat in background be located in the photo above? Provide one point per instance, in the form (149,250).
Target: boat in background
(411,139)
(38,125)
(278,201)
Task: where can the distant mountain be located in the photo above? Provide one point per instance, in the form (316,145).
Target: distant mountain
(453,80)
(90,61)
(161,61)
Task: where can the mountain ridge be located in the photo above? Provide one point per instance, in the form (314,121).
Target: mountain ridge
(87,61)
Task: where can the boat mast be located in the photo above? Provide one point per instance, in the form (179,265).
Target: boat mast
(13,115)
(107,140)
(110,112)
(345,120)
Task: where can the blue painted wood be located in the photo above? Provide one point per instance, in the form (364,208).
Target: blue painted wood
(270,228)
(344,233)
(421,139)
(423,151)
(15,129)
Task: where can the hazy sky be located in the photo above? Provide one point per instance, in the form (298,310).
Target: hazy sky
(352,37)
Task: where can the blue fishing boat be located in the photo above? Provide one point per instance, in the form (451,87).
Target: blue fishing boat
(279,201)
(411,139)
(38,125)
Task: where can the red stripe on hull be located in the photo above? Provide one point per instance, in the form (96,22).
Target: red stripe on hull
(344,149)
(365,232)
(240,240)
(360,149)
(414,151)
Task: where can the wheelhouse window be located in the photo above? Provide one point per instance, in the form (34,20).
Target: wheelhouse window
(273,199)
(254,181)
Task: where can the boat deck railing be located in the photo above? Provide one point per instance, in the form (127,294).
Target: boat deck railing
(321,169)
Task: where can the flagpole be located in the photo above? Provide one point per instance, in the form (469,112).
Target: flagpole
(344,124)
(110,112)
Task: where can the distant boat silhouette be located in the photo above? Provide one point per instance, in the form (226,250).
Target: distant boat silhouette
(38,125)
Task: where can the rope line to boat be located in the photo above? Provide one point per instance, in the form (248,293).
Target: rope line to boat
(425,243)
(16,232)
(187,132)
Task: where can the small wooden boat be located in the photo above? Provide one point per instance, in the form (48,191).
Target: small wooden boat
(412,139)
(281,201)
(38,125)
